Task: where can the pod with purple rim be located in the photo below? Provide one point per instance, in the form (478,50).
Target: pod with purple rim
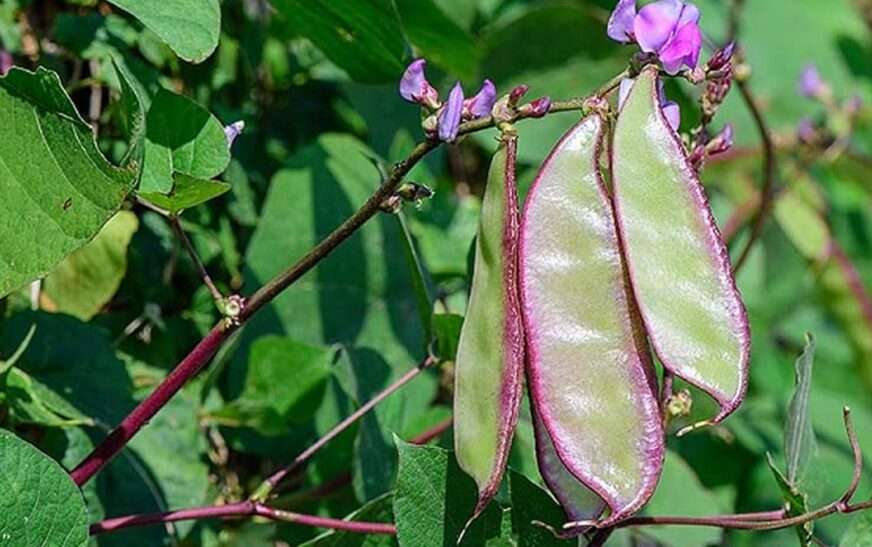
(678,264)
(591,380)
(490,354)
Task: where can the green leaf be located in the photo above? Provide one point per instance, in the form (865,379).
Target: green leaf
(73,360)
(361,294)
(41,504)
(87,279)
(680,493)
(182,137)
(58,190)
(421,288)
(859,533)
(434,499)
(446,328)
(31,402)
(531,503)
(799,439)
(363,38)
(190,27)
(187,192)
(438,38)
(379,509)
(795,502)
(269,402)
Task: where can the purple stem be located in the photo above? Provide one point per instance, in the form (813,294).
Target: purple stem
(144,411)
(237,510)
(273,480)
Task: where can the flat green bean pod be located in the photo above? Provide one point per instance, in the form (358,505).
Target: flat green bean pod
(490,354)
(590,376)
(678,264)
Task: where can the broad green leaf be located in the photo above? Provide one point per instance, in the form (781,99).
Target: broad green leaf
(182,137)
(680,493)
(677,262)
(438,38)
(190,27)
(421,288)
(73,360)
(379,509)
(361,294)
(446,330)
(271,403)
(859,534)
(187,192)
(490,354)
(41,505)
(799,439)
(363,38)
(58,190)
(582,333)
(31,402)
(795,502)
(87,279)
(434,499)
(531,503)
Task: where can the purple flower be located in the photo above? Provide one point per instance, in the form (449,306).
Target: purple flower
(620,26)
(415,88)
(854,105)
(806,131)
(672,114)
(232,131)
(668,28)
(624,91)
(449,116)
(481,104)
(810,82)
(6,62)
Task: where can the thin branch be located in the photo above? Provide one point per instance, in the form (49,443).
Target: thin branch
(266,488)
(208,346)
(769,172)
(240,510)
(192,252)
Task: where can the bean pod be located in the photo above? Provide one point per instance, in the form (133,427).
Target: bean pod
(590,376)
(490,353)
(678,264)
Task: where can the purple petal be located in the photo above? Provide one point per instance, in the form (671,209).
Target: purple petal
(624,91)
(672,114)
(481,103)
(620,26)
(656,22)
(682,49)
(6,62)
(806,131)
(449,117)
(232,131)
(413,83)
(722,142)
(810,82)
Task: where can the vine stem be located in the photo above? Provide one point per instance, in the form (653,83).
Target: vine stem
(203,352)
(192,252)
(241,509)
(266,488)
(250,507)
(770,167)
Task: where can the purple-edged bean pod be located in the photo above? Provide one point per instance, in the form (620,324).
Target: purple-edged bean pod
(678,264)
(490,354)
(591,380)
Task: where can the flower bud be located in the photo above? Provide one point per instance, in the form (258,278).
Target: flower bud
(516,94)
(536,108)
(450,114)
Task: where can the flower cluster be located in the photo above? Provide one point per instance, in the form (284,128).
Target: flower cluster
(445,118)
(840,117)
(668,29)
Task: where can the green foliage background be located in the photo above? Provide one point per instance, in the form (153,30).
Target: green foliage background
(315,83)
